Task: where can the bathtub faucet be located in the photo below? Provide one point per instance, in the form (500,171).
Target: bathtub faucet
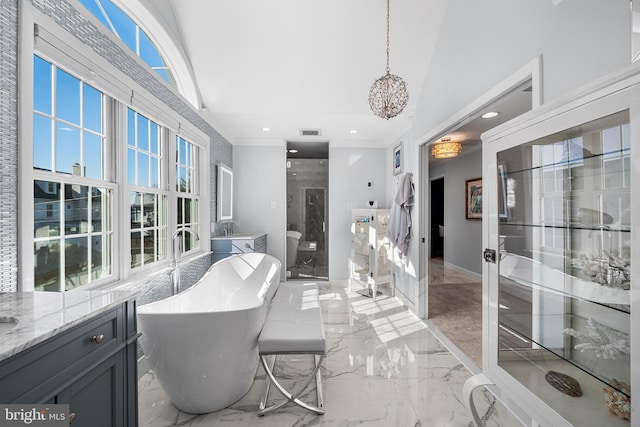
(176,255)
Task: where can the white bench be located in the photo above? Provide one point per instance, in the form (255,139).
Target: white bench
(293,326)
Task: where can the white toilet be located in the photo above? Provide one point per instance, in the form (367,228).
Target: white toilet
(293,240)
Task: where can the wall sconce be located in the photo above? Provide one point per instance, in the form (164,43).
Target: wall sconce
(446,149)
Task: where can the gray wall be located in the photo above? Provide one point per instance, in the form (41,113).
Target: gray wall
(9,145)
(63,13)
(463,237)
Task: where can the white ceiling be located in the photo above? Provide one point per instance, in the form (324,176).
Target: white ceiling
(292,64)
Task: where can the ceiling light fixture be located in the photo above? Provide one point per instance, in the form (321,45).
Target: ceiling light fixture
(445,149)
(354,131)
(265,129)
(388,95)
(490,114)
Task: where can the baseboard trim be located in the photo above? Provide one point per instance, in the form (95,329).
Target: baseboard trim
(459,269)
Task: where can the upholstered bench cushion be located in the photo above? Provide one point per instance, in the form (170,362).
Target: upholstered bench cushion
(294,322)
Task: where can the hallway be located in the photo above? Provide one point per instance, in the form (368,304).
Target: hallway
(383,368)
(455,308)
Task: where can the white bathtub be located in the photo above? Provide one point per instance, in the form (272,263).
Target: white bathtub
(202,343)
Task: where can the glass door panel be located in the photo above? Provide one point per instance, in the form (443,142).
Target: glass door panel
(564,264)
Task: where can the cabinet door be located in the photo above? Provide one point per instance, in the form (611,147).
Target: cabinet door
(559,212)
(98,398)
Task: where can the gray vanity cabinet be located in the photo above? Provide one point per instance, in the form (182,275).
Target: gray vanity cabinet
(91,367)
(238,243)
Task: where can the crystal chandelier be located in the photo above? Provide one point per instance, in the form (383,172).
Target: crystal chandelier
(388,95)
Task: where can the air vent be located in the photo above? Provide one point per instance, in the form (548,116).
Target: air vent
(310,132)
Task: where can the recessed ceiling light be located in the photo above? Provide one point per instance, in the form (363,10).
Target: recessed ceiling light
(353,131)
(490,114)
(293,151)
(266,129)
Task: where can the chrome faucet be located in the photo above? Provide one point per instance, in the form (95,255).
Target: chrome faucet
(176,255)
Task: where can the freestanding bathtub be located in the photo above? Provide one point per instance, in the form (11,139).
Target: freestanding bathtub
(202,343)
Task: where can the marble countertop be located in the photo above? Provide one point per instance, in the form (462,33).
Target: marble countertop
(41,315)
(233,236)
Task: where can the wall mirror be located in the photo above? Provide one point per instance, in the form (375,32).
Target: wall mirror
(225,193)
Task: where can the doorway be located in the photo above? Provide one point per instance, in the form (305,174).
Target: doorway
(437,218)
(454,265)
(307,211)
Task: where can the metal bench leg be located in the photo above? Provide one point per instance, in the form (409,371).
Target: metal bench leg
(263,400)
(291,397)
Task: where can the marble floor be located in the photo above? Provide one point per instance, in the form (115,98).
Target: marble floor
(383,367)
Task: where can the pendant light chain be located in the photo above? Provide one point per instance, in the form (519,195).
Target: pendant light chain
(388,68)
(388,95)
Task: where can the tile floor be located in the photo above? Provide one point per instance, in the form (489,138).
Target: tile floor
(383,368)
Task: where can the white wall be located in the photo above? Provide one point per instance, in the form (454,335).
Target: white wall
(350,169)
(259,193)
(483,43)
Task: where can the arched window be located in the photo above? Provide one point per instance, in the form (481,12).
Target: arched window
(131,34)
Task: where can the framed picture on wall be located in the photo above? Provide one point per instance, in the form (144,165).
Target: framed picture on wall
(397,159)
(473,198)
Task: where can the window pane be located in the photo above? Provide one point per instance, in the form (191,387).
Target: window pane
(626,138)
(136,249)
(187,211)
(189,155)
(42,85)
(92,109)
(149,246)
(100,210)
(100,256)
(143,169)
(93,8)
(162,211)
(136,209)
(76,253)
(155,172)
(67,97)
(155,138)
(161,244)
(125,27)
(131,127)
(148,51)
(183,179)
(131,166)
(68,149)
(76,205)
(611,140)
(93,155)
(183,151)
(46,206)
(42,142)
(46,265)
(180,211)
(143,133)
(149,210)
(613,173)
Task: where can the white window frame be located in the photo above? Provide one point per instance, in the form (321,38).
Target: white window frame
(57,46)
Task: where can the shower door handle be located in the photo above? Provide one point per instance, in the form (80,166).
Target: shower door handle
(323,228)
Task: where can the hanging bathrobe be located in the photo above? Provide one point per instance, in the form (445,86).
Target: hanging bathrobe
(399,230)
